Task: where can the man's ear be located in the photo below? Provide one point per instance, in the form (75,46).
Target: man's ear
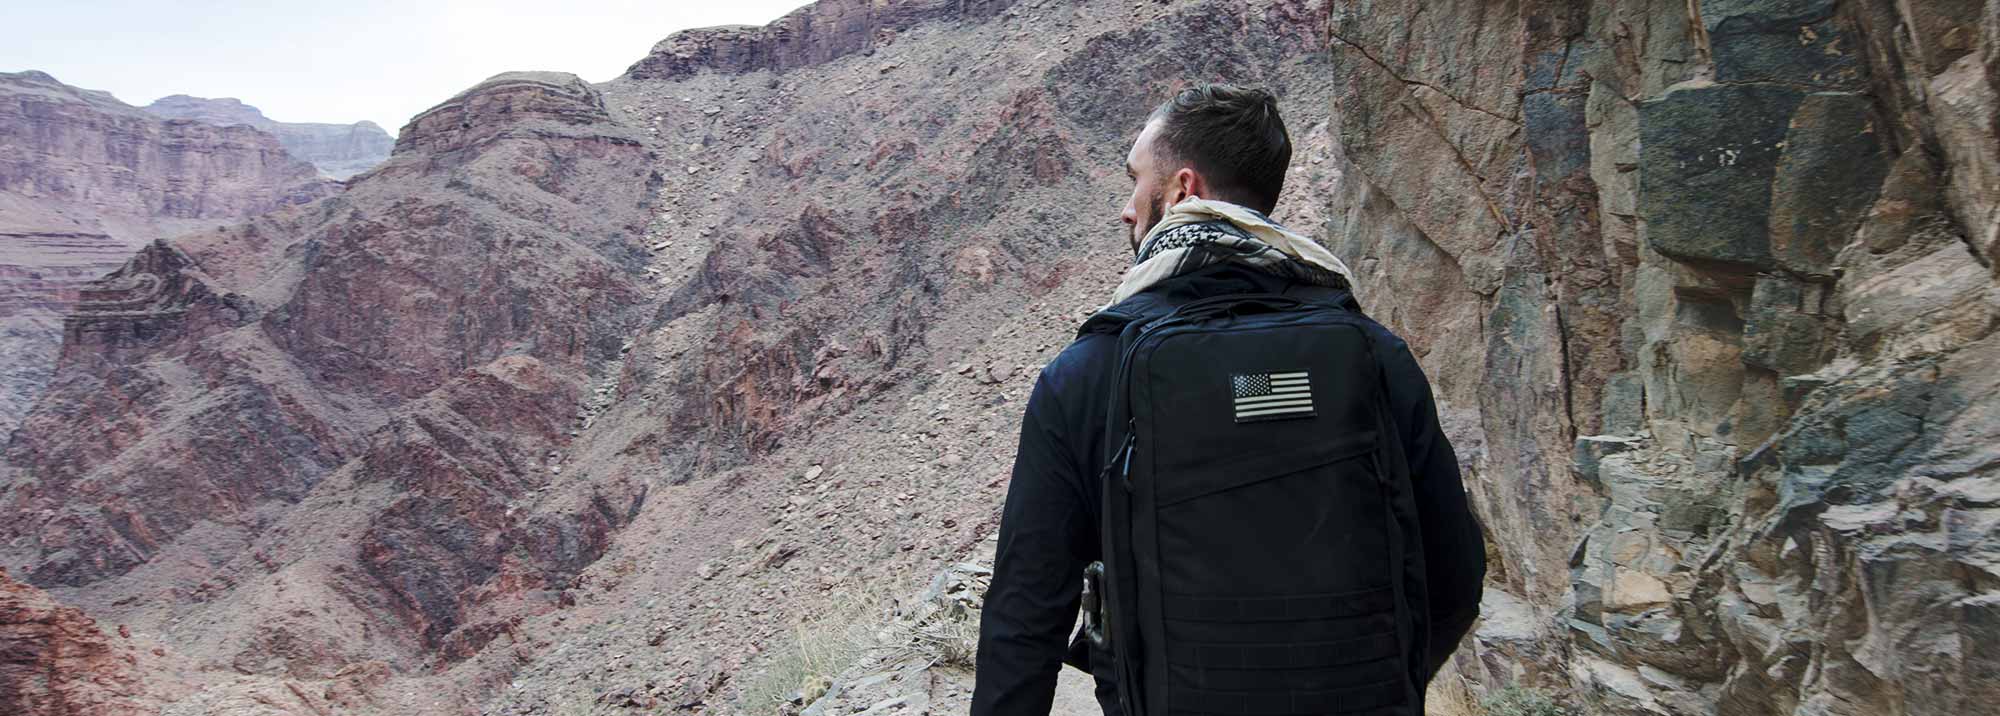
(1187,183)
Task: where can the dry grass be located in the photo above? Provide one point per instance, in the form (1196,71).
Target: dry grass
(820,648)
(941,630)
(946,637)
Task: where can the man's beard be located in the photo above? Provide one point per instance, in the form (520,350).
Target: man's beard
(1152,213)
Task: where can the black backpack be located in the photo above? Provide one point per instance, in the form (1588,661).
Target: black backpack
(1261,547)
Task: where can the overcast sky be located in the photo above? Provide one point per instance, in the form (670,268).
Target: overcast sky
(345,60)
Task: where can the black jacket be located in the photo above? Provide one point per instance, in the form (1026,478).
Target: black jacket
(1049,528)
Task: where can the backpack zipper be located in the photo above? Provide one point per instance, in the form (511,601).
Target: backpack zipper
(1123,458)
(1131,439)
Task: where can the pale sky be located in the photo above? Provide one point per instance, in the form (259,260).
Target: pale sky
(344,60)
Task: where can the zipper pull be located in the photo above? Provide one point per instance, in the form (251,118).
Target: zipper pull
(1131,438)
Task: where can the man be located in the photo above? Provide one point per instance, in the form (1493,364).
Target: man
(1206,169)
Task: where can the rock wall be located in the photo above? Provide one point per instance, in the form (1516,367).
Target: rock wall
(54,661)
(82,154)
(1729,265)
(813,34)
(340,151)
(84,180)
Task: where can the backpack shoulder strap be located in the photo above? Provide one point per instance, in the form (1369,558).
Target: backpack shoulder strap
(1110,320)
(1140,308)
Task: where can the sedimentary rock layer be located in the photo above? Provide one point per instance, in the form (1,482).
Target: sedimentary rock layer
(84,180)
(339,151)
(56,661)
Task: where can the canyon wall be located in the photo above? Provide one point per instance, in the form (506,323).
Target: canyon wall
(340,151)
(84,180)
(1716,283)
(54,659)
(303,443)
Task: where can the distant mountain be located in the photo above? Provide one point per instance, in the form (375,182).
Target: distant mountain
(84,180)
(339,150)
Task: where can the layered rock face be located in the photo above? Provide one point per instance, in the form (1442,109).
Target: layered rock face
(590,393)
(348,407)
(55,660)
(815,34)
(88,156)
(340,151)
(1727,270)
(85,179)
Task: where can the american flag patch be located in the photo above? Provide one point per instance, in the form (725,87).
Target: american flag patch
(1269,396)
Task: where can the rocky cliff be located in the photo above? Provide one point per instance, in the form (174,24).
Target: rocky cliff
(590,394)
(815,34)
(1718,290)
(53,659)
(85,179)
(339,151)
(350,407)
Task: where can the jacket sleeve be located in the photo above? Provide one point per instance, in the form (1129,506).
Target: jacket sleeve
(1046,537)
(1454,551)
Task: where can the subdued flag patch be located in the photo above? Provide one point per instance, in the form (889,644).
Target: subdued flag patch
(1269,396)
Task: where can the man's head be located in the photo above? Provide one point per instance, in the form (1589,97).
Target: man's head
(1214,141)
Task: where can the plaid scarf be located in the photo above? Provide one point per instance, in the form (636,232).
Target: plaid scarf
(1202,232)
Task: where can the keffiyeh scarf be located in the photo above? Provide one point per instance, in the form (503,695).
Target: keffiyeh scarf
(1202,232)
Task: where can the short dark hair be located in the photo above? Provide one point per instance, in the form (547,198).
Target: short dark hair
(1233,136)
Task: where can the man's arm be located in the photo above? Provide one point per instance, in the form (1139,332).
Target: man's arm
(1046,535)
(1454,551)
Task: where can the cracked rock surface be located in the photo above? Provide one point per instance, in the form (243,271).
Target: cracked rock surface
(1729,264)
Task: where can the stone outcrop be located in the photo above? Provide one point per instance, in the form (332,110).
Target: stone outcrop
(55,661)
(1729,269)
(340,151)
(84,180)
